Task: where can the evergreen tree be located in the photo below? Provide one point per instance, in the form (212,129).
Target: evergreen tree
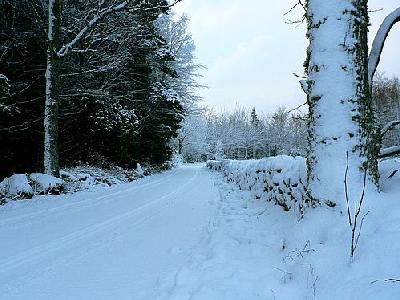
(22,61)
(116,85)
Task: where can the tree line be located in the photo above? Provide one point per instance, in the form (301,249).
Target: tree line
(246,134)
(242,134)
(102,82)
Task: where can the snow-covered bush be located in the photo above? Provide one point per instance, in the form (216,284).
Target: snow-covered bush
(278,179)
(176,160)
(83,177)
(139,170)
(43,184)
(21,186)
(15,187)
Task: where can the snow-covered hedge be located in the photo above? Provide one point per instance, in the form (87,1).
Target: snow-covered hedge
(278,179)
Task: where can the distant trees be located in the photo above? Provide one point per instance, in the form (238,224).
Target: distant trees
(116,89)
(191,141)
(386,98)
(242,134)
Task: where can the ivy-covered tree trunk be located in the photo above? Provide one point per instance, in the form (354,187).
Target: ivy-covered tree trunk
(342,129)
(51,155)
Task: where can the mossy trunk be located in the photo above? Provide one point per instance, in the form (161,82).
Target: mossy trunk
(341,116)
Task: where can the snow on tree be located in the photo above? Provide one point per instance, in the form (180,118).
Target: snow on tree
(340,72)
(242,134)
(192,138)
(97,12)
(4,93)
(180,45)
(342,121)
(379,42)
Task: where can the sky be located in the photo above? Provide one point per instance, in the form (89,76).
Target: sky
(252,54)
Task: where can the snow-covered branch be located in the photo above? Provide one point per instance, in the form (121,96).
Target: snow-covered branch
(101,15)
(390,126)
(379,41)
(391,151)
(91,24)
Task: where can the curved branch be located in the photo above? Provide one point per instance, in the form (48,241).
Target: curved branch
(390,126)
(391,151)
(379,42)
(65,49)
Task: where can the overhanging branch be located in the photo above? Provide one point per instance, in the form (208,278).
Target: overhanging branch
(124,5)
(389,126)
(379,42)
(391,151)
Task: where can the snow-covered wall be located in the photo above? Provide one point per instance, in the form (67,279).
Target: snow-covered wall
(280,179)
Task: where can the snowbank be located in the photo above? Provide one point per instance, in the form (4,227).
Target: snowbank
(44,184)
(16,186)
(278,179)
(21,186)
(84,177)
(256,251)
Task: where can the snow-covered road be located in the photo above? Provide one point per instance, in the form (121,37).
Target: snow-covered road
(116,243)
(187,234)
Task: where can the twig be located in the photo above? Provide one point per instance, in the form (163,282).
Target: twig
(353,220)
(346,190)
(392,280)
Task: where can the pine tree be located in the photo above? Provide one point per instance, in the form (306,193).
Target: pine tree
(22,53)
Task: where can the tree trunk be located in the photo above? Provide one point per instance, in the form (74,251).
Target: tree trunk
(51,156)
(341,119)
(180,146)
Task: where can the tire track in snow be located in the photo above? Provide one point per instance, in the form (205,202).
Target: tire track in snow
(42,251)
(82,203)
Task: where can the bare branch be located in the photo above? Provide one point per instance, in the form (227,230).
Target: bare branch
(346,193)
(391,151)
(389,126)
(101,15)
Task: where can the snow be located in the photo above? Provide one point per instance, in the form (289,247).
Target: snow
(379,42)
(104,244)
(390,150)
(17,185)
(190,234)
(3,77)
(280,179)
(44,184)
(334,110)
(73,179)
(257,251)
(139,170)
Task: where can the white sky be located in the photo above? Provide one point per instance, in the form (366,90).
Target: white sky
(251,53)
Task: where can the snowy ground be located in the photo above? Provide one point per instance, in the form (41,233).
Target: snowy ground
(258,251)
(115,243)
(186,234)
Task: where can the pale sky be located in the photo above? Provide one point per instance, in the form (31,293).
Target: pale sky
(251,53)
